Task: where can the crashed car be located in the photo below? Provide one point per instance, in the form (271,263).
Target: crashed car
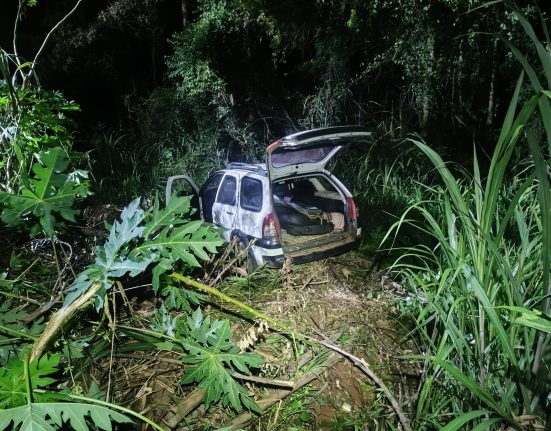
(289,207)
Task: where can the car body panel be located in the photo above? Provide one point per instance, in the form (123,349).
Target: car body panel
(248,220)
(224,213)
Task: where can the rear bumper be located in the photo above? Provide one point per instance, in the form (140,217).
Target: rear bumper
(318,255)
(277,260)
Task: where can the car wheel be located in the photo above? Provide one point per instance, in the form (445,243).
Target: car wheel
(245,263)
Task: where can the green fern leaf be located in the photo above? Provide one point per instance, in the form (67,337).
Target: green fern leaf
(32,417)
(49,191)
(213,358)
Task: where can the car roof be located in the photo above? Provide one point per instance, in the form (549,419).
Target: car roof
(259,168)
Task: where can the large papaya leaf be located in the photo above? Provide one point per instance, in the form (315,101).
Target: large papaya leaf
(213,358)
(167,237)
(112,259)
(185,243)
(171,215)
(47,198)
(44,415)
(173,237)
(52,416)
(194,239)
(13,391)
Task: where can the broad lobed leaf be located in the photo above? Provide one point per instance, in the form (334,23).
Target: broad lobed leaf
(51,417)
(49,192)
(213,358)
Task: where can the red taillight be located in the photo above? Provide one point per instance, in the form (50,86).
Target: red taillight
(270,226)
(352,209)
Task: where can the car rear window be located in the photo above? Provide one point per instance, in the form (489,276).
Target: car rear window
(286,156)
(226,195)
(251,194)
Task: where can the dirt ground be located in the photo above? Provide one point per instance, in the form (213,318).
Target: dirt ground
(340,300)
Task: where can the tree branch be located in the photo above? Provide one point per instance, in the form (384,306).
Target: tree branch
(54,28)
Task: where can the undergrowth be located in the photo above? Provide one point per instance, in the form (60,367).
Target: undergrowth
(482,291)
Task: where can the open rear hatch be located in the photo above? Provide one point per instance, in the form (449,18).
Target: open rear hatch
(310,151)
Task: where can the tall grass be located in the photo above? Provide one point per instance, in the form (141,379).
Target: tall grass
(483,369)
(126,166)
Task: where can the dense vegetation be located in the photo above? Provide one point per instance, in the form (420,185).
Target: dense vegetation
(187,86)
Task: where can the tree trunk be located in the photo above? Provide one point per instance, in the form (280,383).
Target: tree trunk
(185,13)
(491,96)
(425,114)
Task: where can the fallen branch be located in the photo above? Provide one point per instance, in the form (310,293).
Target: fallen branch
(264,381)
(184,408)
(364,367)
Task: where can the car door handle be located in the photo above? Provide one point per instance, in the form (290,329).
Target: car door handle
(229,212)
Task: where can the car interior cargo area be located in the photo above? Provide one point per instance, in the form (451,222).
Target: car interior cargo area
(310,210)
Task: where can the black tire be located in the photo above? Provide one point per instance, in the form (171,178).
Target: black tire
(246,260)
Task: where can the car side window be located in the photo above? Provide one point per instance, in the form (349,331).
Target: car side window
(251,194)
(226,195)
(212,183)
(208,194)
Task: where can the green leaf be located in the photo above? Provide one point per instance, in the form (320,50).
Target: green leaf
(459,422)
(187,242)
(532,318)
(112,259)
(48,193)
(168,216)
(178,298)
(122,254)
(32,417)
(12,380)
(472,386)
(212,359)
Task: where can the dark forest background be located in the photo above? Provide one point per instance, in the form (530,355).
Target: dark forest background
(185,84)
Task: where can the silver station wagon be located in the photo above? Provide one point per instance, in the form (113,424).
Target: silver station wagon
(289,207)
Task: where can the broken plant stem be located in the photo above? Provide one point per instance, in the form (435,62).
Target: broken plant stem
(59,318)
(226,298)
(56,258)
(264,381)
(112,325)
(28,386)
